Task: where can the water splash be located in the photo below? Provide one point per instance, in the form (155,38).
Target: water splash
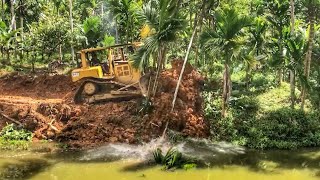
(201,149)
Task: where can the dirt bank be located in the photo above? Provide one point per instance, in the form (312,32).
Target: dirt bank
(42,104)
(36,86)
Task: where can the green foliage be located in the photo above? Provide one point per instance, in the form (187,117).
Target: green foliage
(189,166)
(92,29)
(265,121)
(262,82)
(10,132)
(157,155)
(165,21)
(228,36)
(284,129)
(13,138)
(172,159)
(108,40)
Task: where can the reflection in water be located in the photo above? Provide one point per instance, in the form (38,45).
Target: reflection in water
(22,169)
(122,161)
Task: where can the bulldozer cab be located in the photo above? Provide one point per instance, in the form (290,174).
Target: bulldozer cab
(107,62)
(107,73)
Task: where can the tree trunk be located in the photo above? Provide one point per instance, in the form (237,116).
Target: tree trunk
(13,25)
(307,62)
(184,65)
(60,53)
(226,89)
(33,61)
(280,72)
(292,71)
(203,7)
(127,29)
(2,10)
(161,55)
(71,26)
(102,9)
(117,35)
(13,15)
(8,57)
(280,76)
(319,84)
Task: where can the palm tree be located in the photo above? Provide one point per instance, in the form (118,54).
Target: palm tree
(120,9)
(296,47)
(165,22)
(225,39)
(279,19)
(258,31)
(92,31)
(292,72)
(312,6)
(58,4)
(71,26)
(86,8)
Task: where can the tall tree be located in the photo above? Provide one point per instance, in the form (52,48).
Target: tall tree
(71,26)
(292,71)
(279,18)
(226,40)
(311,6)
(165,22)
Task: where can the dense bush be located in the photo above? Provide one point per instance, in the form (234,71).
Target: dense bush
(14,138)
(264,120)
(10,132)
(284,129)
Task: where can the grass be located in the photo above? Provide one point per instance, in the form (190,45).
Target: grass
(13,144)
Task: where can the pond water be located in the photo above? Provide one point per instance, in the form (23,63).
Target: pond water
(126,162)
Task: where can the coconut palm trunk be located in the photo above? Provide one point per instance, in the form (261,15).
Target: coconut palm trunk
(13,15)
(226,93)
(71,26)
(292,71)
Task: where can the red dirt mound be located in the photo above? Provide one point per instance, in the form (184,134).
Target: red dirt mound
(39,86)
(187,116)
(94,125)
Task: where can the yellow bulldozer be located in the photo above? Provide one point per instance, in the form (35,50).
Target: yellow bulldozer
(107,73)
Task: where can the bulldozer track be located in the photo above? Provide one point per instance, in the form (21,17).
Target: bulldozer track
(78,95)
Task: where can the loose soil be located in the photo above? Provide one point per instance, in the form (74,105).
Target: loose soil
(43,104)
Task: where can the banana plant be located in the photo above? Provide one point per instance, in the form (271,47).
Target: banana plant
(7,38)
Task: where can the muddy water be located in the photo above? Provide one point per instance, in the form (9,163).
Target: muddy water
(124,162)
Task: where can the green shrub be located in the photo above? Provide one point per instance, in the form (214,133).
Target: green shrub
(10,132)
(262,81)
(283,129)
(212,105)
(12,138)
(244,105)
(172,159)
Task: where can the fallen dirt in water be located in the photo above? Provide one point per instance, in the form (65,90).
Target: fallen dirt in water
(43,104)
